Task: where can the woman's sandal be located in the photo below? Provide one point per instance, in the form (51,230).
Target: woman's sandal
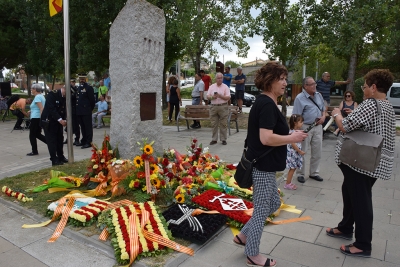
(253,264)
(346,251)
(340,235)
(240,242)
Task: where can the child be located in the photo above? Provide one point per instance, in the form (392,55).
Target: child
(294,158)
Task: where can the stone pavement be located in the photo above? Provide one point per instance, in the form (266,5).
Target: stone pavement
(295,244)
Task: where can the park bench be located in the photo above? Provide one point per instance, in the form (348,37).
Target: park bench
(202,112)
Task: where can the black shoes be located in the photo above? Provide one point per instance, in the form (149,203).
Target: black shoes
(32,154)
(63,160)
(224,142)
(86,146)
(301,179)
(78,144)
(316,178)
(56,163)
(18,128)
(213,142)
(195,126)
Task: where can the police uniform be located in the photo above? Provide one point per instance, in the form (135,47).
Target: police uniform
(53,112)
(75,124)
(84,107)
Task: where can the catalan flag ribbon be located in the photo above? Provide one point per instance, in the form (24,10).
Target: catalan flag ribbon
(55,6)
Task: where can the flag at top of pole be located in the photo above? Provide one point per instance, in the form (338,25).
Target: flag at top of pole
(55,7)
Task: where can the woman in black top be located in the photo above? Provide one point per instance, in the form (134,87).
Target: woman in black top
(267,128)
(174,100)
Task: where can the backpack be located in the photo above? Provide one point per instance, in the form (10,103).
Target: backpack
(12,100)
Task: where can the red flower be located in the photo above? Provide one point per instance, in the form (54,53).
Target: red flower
(194,140)
(141,175)
(165,162)
(136,184)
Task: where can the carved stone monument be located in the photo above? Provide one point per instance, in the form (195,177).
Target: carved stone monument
(136,72)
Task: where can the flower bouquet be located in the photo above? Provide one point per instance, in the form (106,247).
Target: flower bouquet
(117,222)
(238,218)
(20,196)
(198,228)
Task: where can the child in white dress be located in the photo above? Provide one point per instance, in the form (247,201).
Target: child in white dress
(294,158)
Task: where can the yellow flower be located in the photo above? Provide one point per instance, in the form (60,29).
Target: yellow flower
(148,149)
(110,151)
(180,198)
(144,188)
(155,182)
(131,184)
(102,160)
(95,166)
(93,160)
(154,167)
(138,161)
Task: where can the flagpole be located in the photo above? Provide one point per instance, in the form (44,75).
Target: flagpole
(67,81)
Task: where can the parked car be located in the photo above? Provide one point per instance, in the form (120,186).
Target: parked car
(190,80)
(247,101)
(42,84)
(183,82)
(394,97)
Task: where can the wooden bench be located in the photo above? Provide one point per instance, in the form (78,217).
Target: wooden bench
(202,112)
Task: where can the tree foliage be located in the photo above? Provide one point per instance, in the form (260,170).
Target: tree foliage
(282,26)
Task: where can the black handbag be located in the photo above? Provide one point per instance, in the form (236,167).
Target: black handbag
(243,174)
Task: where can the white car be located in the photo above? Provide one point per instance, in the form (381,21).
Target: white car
(394,97)
(42,84)
(183,82)
(190,80)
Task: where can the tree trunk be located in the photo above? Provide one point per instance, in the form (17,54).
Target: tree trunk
(197,66)
(352,71)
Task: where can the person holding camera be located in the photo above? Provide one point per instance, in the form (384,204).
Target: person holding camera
(219,95)
(310,104)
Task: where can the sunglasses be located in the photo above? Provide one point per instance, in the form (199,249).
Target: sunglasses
(348,95)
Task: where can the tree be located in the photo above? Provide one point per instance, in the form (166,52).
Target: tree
(349,27)
(283,31)
(233,64)
(214,21)
(11,43)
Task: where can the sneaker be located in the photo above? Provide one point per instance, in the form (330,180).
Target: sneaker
(98,127)
(290,186)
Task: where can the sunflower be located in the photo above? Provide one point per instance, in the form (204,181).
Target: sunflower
(180,198)
(155,182)
(138,161)
(148,149)
(154,167)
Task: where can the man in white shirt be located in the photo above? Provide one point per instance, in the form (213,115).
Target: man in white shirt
(102,108)
(197,97)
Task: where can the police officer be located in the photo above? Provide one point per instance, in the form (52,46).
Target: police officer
(75,125)
(53,120)
(84,107)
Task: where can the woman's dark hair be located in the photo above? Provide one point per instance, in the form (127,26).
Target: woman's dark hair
(293,119)
(382,78)
(175,82)
(171,80)
(353,95)
(268,74)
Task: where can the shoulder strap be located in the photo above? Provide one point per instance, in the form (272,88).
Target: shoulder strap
(263,155)
(314,102)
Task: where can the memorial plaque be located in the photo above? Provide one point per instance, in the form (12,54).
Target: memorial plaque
(147,106)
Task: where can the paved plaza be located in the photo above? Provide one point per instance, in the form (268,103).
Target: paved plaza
(292,245)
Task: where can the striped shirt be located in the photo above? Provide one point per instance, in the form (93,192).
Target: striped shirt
(365,117)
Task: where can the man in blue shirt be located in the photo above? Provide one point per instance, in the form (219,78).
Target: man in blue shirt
(227,77)
(325,84)
(240,80)
(310,104)
(102,108)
